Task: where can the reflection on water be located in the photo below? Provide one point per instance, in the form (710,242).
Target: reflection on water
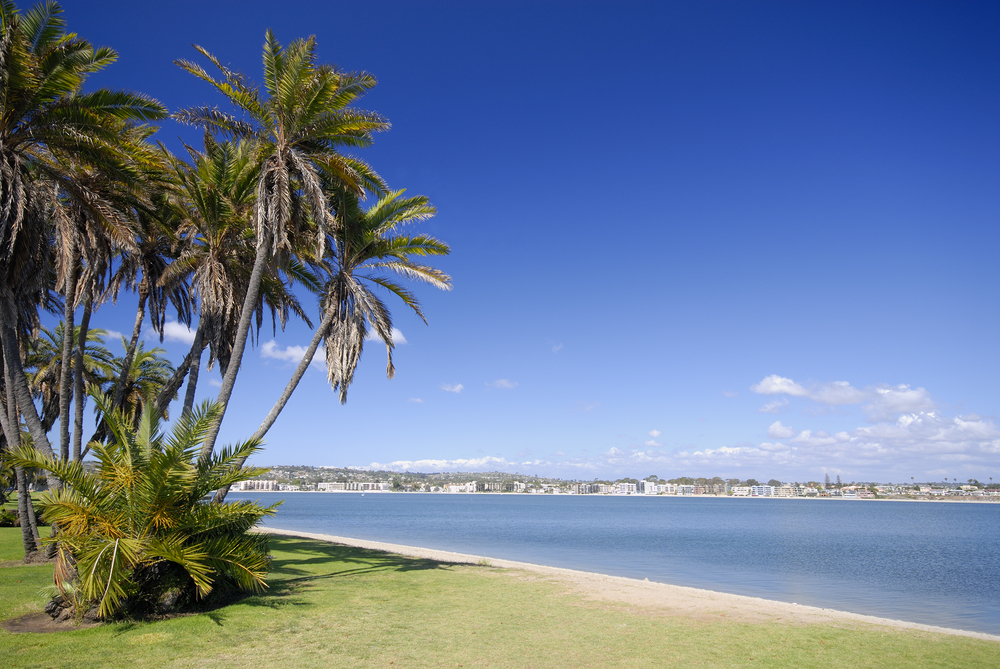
(933,563)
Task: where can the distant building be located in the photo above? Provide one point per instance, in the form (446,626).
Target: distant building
(264,486)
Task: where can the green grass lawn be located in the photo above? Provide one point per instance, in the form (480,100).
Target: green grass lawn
(332,605)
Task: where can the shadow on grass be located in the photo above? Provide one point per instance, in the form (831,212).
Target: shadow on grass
(301,562)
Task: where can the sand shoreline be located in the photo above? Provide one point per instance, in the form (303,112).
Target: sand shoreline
(681,600)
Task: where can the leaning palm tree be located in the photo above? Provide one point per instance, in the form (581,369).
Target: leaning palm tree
(297,125)
(48,128)
(135,528)
(368,250)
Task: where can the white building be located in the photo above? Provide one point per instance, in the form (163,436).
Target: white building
(626,489)
(266,486)
(762,491)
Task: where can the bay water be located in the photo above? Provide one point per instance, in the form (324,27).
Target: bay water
(936,563)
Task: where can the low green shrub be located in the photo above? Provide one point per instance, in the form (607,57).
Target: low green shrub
(137,535)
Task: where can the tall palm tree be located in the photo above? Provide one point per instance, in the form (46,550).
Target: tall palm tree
(297,126)
(368,249)
(48,128)
(213,198)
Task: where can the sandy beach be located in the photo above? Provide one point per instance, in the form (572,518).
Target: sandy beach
(649,595)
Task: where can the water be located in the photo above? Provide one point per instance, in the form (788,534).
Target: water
(932,563)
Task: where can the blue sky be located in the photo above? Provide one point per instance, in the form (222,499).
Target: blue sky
(736,239)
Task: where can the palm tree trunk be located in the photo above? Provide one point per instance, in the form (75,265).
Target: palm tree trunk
(140,315)
(23,509)
(78,380)
(12,433)
(272,415)
(192,384)
(174,384)
(229,380)
(65,367)
(22,393)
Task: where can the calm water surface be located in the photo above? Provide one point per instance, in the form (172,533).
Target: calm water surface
(933,563)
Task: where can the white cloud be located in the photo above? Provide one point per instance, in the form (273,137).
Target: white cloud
(113,335)
(452,387)
(652,442)
(778,385)
(289,354)
(655,433)
(502,383)
(777,406)
(415,400)
(888,402)
(431,465)
(173,331)
(397,337)
(730,393)
(215,383)
(808,439)
(882,402)
(779,431)
(557,347)
(586,406)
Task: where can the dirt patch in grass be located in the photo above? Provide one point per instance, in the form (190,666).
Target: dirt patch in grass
(42,623)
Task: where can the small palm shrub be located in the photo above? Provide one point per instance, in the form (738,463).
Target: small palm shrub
(135,534)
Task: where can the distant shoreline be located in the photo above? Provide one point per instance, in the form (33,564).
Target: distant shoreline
(948,500)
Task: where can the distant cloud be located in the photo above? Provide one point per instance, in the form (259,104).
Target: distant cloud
(730,393)
(397,337)
(502,383)
(779,431)
(173,331)
(415,400)
(435,465)
(290,354)
(115,335)
(775,385)
(586,406)
(652,442)
(452,387)
(557,347)
(655,433)
(216,383)
(882,402)
(777,406)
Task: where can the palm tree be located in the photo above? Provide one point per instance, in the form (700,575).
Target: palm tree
(147,374)
(135,527)
(142,271)
(297,128)
(367,248)
(44,365)
(213,198)
(48,130)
